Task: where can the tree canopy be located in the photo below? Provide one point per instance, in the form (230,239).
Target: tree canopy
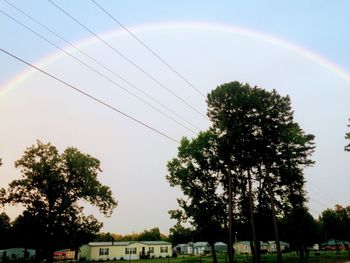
(53,189)
(255,147)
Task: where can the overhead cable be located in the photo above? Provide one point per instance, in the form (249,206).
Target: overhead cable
(108,69)
(149,49)
(97,72)
(90,96)
(129,60)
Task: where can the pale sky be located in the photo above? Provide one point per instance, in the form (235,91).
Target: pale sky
(299,48)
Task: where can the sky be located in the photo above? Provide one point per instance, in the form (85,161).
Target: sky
(300,48)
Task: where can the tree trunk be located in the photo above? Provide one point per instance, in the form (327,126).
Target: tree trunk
(301,253)
(252,223)
(230,219)
(213,252)
(274,219)
(258,251)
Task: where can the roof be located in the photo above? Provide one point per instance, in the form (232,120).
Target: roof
(281,242)
(247,243)
(333,242)
(127,243)
(200,244)
(220,244)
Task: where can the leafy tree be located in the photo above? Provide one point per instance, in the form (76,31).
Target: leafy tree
(150,235)
(52,189)
(4,229)
(347,137)
(301,230)
(261,144)
(104,237)
(335,223)
(194,171)
(179,234)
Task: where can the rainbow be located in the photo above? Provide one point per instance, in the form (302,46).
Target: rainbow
(273,40)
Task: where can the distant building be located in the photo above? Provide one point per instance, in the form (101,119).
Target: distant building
(243,247)
(220,247)
(199,248)
(64,254)
(181,249)
(16,253)
(272,248)
(129,250)
(334,245)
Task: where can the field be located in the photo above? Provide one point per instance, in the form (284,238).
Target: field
(320,257)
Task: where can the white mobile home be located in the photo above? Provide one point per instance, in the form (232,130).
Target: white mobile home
(125,250)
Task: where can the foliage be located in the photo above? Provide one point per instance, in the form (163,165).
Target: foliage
(4,229)
(179,234)
(52,189)
(347,137)
(336,223)
(194,171)
(152,234)
(253,140)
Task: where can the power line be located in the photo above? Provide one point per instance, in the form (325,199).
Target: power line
(323,192)
(106,68)
(129,60)
(319,202)
(149,49)
(90,96)
(97,72)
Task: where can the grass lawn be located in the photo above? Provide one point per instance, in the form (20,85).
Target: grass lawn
(323,257)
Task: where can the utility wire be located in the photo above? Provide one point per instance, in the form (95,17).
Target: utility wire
(324,193)
(316,212)
(90,96)
(97,72)
(320,203)
(106,68)
(149,49)
(129,60)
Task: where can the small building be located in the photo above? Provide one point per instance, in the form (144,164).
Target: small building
(335,245)
(64,254)
(181,249)
(220,247)
(198,248)
(16,254)
(243,247)
(129,250)
(272,248)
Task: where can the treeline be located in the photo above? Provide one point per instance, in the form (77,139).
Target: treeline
(152,234)
(331,224)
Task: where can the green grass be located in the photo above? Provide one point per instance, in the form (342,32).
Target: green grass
(324,257)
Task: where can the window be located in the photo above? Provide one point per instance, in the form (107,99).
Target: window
(163,249)
(104,251)
(151,249)
(131,250)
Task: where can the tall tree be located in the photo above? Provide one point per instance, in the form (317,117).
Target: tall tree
(52,190)
(259,136)
(194,171)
